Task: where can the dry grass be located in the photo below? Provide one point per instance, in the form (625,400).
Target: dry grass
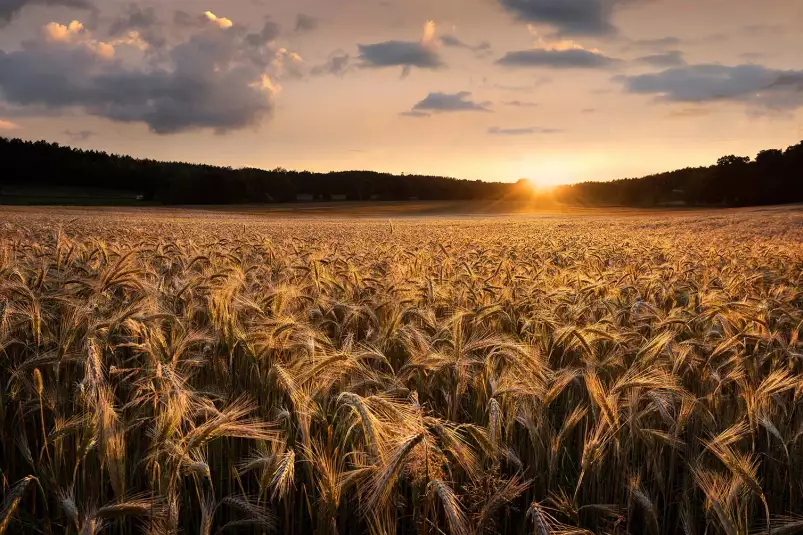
(224,373)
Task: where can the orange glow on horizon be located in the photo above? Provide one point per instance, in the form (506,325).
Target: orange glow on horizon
(542,185)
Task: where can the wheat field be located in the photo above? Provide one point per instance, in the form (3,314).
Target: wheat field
(196,372)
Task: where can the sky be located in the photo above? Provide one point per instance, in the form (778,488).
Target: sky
(558,91)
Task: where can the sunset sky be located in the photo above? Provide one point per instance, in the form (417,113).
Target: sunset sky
(556,90)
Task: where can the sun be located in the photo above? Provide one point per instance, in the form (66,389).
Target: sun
(541,184)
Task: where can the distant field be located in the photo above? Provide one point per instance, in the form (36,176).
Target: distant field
(401,368)
(419,209)
(388,209)
(339,209)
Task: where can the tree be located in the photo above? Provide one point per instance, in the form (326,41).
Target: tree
(731,181)
(731,160)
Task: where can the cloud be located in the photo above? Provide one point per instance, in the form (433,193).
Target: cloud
(452,41)
(450,102)
(10,8)
(269,33)
(338,64)
(415,114)
(138,27)
(184,19)
(567,17)
(520,104)
(406,54)
(207,81)
(135,18)
(557,59)
(75,34)
(81,135)
(661,42)
(754,85)
(399,54)
(496,131)
(765,29)
(306,23)
(752,56)
(673,58)
(687,113)
(285,63)
(8,125)
(223,22)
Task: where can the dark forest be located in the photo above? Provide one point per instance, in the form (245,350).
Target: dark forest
(772,177)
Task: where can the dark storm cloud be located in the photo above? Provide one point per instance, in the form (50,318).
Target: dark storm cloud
(556,59)
(205,82)
(673,58)
(752,84)
(9,8)
(450,102)
(338,64)
(306,23)
(406,54)
(496,131)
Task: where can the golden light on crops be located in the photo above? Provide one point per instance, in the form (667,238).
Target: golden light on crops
(191,372)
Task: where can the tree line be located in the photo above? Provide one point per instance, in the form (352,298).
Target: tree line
(774,176)
(44,164)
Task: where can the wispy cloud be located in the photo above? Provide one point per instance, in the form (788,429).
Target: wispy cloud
(672,58)
(482,49)
(689,113)
(497,131)
(450,102)
(337,64)
(415,114)
(520,104)
(657,43)
(81,135)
